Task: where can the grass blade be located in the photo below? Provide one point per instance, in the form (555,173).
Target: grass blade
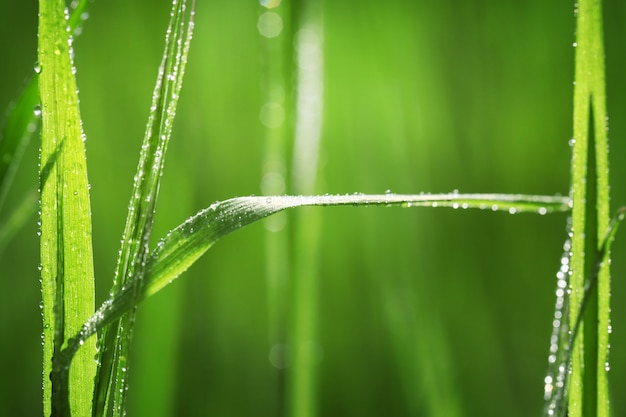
(18,127)
(303,372)
(188,242)
(18,219)
(588,393)
(22,117)
(278,92)
(66,250)
(114,343)
(557,381)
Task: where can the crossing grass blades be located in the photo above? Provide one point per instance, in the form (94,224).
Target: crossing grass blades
(75,384)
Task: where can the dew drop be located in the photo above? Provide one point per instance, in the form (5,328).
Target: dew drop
(512,210)
(37,68)
(37,110)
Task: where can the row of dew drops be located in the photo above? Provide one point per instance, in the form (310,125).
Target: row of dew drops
(559,367)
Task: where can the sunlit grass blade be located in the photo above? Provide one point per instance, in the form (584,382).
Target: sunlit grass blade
(557,380)
(17,129)
(185,244)
(67,277)
(588,394)
(114,343)
(22,116)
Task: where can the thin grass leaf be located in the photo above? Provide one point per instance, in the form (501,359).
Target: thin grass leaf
(557,380)
(185,244)
(20,216)
(18,128)
(588,394)
(114,343)
(66,250)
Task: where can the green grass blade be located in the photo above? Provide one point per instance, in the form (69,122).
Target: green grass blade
(22,116)
(302,381)
(188,242)
(557,380)
(114,344)
(18,128)
(277,90)
(66,250)
(19,217)
(588,393)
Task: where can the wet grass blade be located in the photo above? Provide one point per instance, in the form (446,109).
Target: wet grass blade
(557,381)
(114,343)
(67,277)
(18,127)
(22,117)
(588,394)
(185,244)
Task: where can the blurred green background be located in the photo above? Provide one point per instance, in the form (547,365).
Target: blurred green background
(422,312)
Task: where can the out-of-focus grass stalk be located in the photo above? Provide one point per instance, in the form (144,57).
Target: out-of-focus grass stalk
(304,336)
(274,25)
(588,394)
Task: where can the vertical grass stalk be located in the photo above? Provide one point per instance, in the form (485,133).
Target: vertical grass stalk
(588,391)
(304,334)
(274,26)
(115,340)
(67,277)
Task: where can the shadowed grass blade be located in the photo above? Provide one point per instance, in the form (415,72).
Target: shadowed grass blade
(18,219)
(66,252)
(185,244)
(18,128)
(114,343)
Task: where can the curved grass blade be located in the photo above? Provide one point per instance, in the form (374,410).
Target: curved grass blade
(188,242)
(557,381)
(114,343)
(67,277)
